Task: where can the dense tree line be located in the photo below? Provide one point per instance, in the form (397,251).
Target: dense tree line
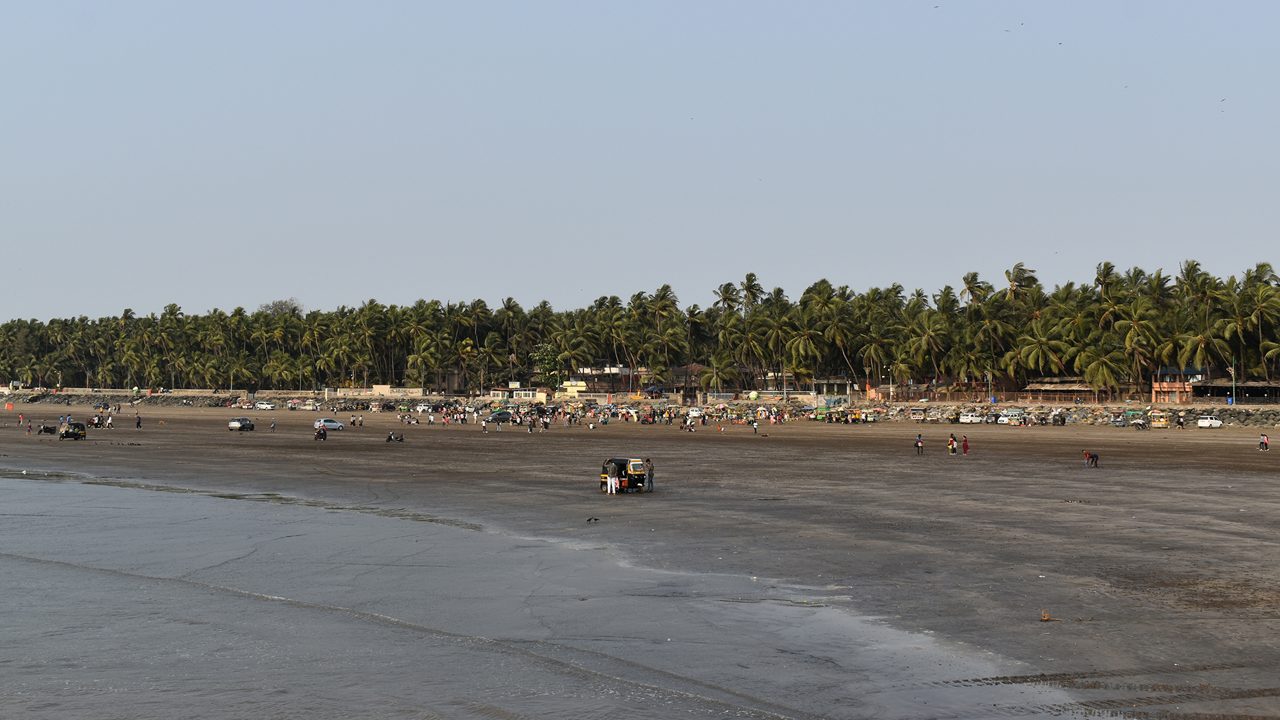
(1119,329)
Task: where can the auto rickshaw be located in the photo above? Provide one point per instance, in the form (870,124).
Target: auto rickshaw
(631,473)
(1158,419)
(72,431)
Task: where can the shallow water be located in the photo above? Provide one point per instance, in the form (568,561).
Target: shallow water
(121,602)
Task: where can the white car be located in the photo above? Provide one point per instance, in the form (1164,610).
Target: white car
(696,412)
(240,423)
(1012,417)
(1208,421)
(422,407)
(971,418)
(264,405)
(328,424)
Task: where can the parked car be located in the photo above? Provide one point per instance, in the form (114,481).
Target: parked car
(501,416)
(328,424)
(72,431)
(970,418)
(240,423)
(1012,416)
(1208,421)
(422,408)
(264,405)
(916,414)
(696,412)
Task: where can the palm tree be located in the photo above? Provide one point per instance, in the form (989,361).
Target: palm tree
(1264,311)
(752,292)
(1020,279)
(1139,336)
(718,372)
(1039,348)
(1101,367)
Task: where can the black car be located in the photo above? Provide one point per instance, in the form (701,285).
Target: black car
(501,416)
(72,431)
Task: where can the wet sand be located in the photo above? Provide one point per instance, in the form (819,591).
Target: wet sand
(1159,568)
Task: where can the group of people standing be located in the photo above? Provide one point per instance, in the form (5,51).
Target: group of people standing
(954,446)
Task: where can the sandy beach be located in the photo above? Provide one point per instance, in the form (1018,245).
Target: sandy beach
(1158,569)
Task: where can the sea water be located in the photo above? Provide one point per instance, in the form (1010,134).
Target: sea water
(121,602)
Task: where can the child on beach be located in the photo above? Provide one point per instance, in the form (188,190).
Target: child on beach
(919,444)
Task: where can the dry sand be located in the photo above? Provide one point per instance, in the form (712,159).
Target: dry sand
(1160,568)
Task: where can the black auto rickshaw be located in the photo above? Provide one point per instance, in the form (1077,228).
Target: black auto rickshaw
(632,475)
(72,431)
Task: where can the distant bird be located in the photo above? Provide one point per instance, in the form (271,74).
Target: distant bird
(593,519)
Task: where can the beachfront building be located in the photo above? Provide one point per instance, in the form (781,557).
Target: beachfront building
(1174,385)
(515,392)
(837,387)
(571,389)
(1059,390)
(608,378)
(1246,392)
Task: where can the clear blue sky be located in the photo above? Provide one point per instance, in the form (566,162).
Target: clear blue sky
(232,153)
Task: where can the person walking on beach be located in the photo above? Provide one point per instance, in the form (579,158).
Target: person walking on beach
(964,444)
(1264,442)
(648,475)
(273,424)
(137,422)
(919,444)
(952,444)
(484,426)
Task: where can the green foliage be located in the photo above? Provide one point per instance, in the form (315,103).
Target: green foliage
(546,361)
(1117,329)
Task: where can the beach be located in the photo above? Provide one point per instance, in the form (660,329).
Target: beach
(812,570)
